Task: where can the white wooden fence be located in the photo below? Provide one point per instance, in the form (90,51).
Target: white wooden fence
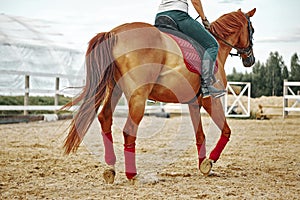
(237,96)
(289,94)
(55,92)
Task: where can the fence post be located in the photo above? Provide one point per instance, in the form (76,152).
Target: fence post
(285,100)
(26,96)
(56,97)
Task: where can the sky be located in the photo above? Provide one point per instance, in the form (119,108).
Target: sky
(275,22)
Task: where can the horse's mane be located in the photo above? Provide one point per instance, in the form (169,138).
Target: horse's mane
(228,24)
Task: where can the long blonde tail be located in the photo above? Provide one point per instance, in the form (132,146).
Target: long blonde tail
(100,67)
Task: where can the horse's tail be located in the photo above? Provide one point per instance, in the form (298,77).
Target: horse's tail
(100,67)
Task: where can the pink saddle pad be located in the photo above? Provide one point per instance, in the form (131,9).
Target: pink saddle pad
(191,57)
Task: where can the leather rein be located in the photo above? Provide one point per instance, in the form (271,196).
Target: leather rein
(247,51)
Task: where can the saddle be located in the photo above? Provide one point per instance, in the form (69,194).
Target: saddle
(192,51)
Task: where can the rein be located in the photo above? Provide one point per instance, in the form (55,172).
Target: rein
(240,51)
(247,51)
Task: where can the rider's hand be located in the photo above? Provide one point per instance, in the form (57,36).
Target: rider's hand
(206,23)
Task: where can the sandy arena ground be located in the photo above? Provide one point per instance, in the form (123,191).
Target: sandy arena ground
(261,161)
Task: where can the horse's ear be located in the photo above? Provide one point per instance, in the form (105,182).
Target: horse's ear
(251,13)
(239,10)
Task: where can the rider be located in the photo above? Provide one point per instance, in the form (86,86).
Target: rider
(178,11)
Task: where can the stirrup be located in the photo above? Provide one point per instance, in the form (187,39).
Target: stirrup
(219,95)
(215,93)
(207,95)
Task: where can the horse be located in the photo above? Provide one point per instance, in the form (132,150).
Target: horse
(138,60)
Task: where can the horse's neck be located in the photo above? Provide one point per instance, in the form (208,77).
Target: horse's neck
(223,53)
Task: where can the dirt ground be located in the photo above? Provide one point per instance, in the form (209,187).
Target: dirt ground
(261,161)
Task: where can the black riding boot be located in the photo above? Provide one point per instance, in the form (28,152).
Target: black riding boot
(207,79)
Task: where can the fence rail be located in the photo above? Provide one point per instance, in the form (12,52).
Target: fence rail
(40,74)
(55,92)
(289,94)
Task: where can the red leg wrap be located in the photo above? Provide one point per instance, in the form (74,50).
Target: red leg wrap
(129,154)
(201,152)
(215,154)
(110,157)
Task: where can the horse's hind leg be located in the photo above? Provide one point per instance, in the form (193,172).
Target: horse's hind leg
(105,119)
(136,104)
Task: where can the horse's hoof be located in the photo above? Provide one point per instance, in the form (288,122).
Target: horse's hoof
(134,180)
(205,166)
(109,175)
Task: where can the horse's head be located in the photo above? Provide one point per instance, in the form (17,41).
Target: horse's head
(236,31)
(245,40)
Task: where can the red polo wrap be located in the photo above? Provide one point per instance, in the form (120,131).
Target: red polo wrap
(110,157)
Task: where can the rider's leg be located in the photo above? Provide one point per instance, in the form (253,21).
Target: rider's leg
(195,30)
(207,80)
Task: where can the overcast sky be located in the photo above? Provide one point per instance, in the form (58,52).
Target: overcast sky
(276,23)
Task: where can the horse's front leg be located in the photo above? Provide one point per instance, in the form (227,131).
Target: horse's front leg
(105,119)
(215,110)
(199,134)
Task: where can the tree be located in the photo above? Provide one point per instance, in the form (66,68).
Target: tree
(246,77)
(295,68)
(258,80)
(267,79)
(235,76)
(295,71)
(285,73)
(274,77)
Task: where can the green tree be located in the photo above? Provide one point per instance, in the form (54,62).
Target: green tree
(295,71)
(258,80)
(267,79)
(246,77)
(285,73)
(235,76)
(295,68)
(274,77)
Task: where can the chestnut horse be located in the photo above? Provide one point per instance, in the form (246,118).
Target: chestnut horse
(143,63)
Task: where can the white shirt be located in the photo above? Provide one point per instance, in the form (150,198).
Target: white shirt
(167,5)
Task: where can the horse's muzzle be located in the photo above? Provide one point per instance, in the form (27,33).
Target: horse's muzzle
(249,61)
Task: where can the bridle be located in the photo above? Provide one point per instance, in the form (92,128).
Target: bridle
(240,51)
